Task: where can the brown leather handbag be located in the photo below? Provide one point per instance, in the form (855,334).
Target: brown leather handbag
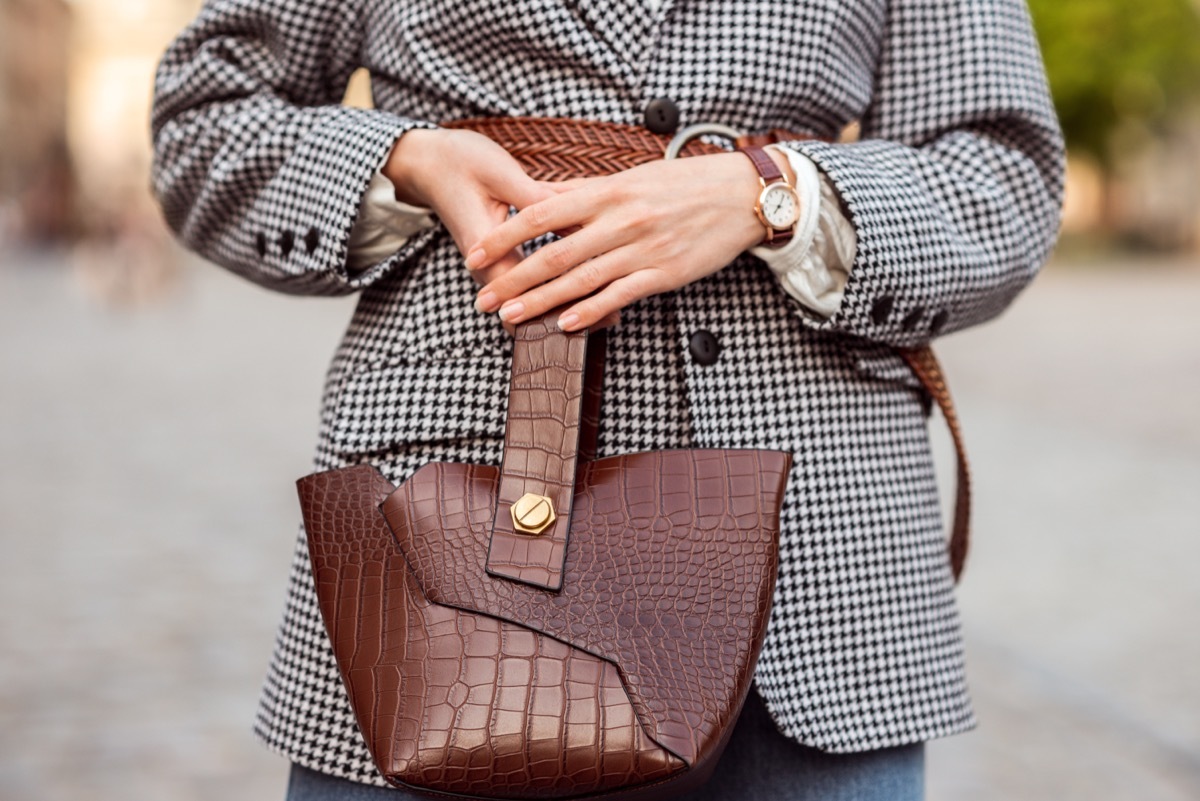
(560,626)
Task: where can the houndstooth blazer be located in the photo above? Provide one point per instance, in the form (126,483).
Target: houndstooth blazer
(954,190)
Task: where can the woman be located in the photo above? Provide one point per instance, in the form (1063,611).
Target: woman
(932,222)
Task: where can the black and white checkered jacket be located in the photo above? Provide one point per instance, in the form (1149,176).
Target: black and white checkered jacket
(954,191)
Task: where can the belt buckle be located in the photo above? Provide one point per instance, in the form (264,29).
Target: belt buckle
(699,129)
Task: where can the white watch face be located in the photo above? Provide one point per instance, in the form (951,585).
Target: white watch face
(780,206)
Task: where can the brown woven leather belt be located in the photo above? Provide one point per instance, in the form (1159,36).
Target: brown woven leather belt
(558,149)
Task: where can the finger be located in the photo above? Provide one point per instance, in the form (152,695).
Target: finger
(521,191)
(610,300)
(488,274)
(471,219)
(589,277)
(574,266)
(608,321)
(554,213)
(558,187)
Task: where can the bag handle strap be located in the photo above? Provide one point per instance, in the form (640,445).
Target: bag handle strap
(551,422)
(927,369)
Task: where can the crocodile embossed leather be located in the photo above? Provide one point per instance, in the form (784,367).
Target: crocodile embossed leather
(609,654)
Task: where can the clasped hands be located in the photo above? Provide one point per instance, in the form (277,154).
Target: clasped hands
(645,230)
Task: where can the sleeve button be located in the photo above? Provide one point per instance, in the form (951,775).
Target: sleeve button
(912,318)
(286,240)
(311,240)
(882,309)
(260,244)
(938,322)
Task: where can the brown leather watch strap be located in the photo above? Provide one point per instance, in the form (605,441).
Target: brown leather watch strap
(541,449)
(765,165)
(770,173)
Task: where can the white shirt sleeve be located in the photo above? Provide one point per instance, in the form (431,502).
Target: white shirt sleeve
(383,224)
(814,265)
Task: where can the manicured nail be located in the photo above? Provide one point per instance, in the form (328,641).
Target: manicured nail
(475,258)
(511,310)
(568,321)
(486,301)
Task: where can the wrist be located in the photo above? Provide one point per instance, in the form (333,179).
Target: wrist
(777,206)
(407,163)
(742,201)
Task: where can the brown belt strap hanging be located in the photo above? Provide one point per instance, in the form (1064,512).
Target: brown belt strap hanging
(555,149)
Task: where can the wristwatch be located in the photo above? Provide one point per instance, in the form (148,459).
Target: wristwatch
(778,204)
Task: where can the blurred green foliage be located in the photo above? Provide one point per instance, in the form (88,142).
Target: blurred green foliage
(1117,63)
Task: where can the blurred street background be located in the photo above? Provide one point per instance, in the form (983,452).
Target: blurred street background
(154,410)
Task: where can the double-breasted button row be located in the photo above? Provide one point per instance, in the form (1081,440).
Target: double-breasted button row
(286,242)
(882,309)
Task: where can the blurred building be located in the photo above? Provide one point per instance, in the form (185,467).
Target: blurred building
(115,49)
(36,186)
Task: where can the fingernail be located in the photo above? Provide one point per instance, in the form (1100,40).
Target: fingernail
(510,310)
(568,321)
(475,258)
(486,301)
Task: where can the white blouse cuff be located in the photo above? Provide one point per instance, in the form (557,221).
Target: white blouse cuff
(383,224)
(814,266)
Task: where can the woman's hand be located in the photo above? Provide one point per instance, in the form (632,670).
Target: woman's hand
(468,181)
(649,229)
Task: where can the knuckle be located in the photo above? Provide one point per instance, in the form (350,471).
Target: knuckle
(610,192)
(539,214)
(560,255)
(591,274)
(640,215)
(626,292)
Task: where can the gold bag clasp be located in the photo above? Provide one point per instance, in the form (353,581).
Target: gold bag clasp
(532,513)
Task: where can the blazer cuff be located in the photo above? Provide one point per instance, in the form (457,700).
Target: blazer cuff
(302,222)
(813,267)
(897,285)
(384,224)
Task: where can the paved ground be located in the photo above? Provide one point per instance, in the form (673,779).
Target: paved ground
(147,515)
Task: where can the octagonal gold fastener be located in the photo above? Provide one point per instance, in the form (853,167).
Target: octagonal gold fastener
(532,513)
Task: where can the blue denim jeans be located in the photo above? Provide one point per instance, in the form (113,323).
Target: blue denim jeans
(759,764)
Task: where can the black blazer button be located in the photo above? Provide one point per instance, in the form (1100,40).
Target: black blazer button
(260,243)
(938,322)
(662,116)
(311,240)
(704,347)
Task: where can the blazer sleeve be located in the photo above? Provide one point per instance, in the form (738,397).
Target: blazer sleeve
(256,164)
(955,186)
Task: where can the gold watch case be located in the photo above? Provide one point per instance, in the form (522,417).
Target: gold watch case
(777,186)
